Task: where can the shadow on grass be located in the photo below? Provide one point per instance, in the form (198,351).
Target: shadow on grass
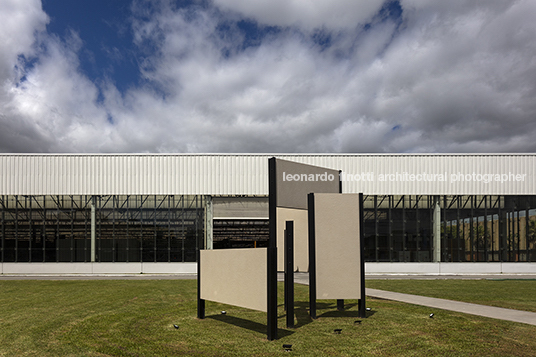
(248,324)
(301,312)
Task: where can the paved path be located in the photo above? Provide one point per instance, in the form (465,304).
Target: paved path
(525,317)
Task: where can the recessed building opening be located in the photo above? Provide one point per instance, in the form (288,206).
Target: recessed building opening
(240,233)
(240,222)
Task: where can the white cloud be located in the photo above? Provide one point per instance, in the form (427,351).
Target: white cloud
(19,22)
(450,77)
(307,14)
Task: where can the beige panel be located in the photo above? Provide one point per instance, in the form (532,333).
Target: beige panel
(295,181)
(337,246)
(235,276)
(301,238)
(240,207)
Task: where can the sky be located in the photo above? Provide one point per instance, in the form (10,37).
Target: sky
(267,76)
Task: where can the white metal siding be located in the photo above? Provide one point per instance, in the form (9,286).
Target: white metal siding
(247,174)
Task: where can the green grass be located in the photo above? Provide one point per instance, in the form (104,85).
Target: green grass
(512,294)
(135,318)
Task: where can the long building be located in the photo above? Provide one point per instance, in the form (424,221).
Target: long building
(147,213)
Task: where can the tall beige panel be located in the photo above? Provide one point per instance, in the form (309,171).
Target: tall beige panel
(301,238)
(235,277)
(338,267)
(294,182)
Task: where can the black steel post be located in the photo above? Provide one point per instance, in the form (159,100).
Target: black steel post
(272,253)
(362,302)
(312,255)
(340,302)
(289,272)
(200,302)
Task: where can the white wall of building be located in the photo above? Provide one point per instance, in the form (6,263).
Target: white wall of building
(371,268)
(245,174)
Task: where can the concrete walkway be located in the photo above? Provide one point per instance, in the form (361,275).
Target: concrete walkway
(525,317)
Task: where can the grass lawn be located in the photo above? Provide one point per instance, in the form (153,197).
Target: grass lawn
(135,318)
(511,294)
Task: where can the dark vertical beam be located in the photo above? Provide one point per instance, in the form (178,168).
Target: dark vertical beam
(4,228)
(44,230)
(114,199)
(272,253)
(155,229)
(390,223)
(518,232)
(404,232)
(486,250)
(59,210)
(527,241)
(127,214)
(73,215)
(362,301)
(340,302)
(200,302)
(376,232)
(312,255)
(503,232)
(170,203)
(16,228)
(289,272)
(31,238)
(183,234)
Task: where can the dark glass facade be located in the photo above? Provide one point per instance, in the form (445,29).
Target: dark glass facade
(128,228)
(168,228)
(400,228)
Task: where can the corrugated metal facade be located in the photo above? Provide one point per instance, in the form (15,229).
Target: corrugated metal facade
(247,174)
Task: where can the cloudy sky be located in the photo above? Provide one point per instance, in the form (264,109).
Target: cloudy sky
(270,76)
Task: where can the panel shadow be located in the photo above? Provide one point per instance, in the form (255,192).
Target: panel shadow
(248,324)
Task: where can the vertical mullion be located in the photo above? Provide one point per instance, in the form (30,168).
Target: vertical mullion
(141,226)
(518,232)
(4,228)
(390,221)
(154,225)
(114,200)
(183,233)
(404,233)
(43,229)
(169,229)
(16,228)
(527,243)
(418,227)
(30,238)
(86,214)
(58,212)
(443,235)
(376,228)
(98,217)
(486,251)
(127,216)
(458,232)
(471,232)
(71,238)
